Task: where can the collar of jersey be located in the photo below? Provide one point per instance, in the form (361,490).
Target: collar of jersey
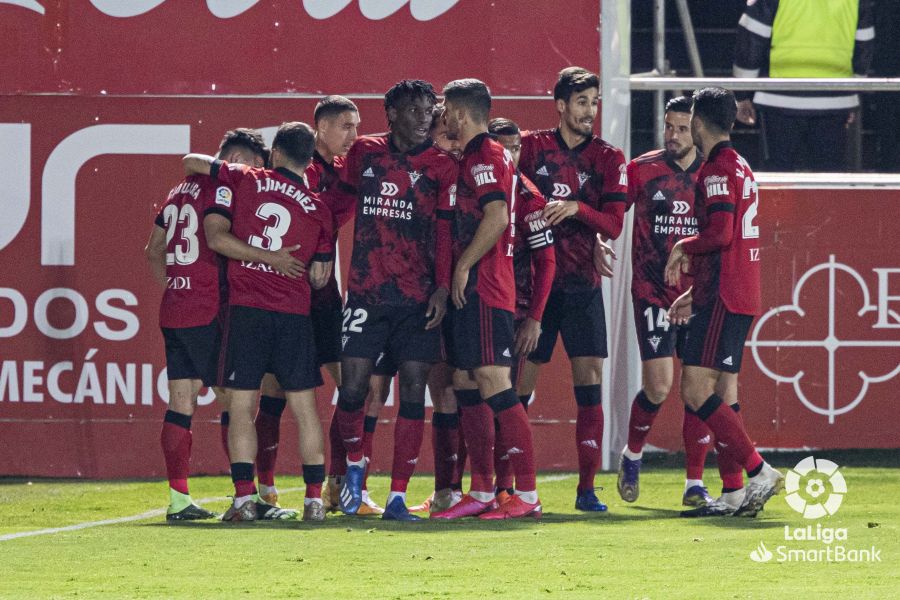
(562,143)
(428,143)
(692,168)
(325,164)
(476,142)
(718,148)
(290,175)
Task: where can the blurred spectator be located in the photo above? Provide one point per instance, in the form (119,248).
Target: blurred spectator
(803,38)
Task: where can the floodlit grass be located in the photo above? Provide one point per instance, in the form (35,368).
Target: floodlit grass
(642,550)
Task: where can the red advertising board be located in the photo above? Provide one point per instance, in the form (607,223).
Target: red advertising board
(289,46)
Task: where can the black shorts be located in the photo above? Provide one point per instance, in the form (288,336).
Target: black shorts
(399,332)
(478,335)
(326,324)
(384,366)
(715,338)
(657,338)
(579,317)
(256,342)
(193,352)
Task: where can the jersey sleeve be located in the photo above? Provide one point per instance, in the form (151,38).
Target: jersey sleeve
(719,194)
(491,177)
(227,173)
(217,198)
(608,219)
(160,220)
(754,36)
(325,244)
(633,185)
(527,154)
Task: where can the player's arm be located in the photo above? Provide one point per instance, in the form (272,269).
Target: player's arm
(603,256)
(155,251)
(680,311)
(864,48)
(609,218)
(492,226)
(323,259)
(219,238)
(751,51)
(543,260)
(198,164)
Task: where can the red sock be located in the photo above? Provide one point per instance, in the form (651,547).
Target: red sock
(729,429)
(350,427)
(369,424)
(588,433)
(697,439)
(224,420)
(643,413)
(515,430)
(729,468)
(313,476)
(176,445)
(477,424)
(268,433)
(445,447)
(408,433)
(503,475)
(462,455)
(338,466)
(242,476)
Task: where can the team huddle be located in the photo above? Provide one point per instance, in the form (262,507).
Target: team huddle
(475,246)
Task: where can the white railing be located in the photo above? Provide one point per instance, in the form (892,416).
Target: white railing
(649,82)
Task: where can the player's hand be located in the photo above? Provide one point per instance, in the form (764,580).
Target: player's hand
(680,311)
(746,113)
(437,308)
(458,293)
(558,210)
(527,336)
(603,257)
(283,262)
(678,263)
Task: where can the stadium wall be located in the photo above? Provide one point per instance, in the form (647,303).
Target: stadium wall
(98,99)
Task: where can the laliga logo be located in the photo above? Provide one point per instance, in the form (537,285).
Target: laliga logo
(886,318)
(807,500)
(421,10)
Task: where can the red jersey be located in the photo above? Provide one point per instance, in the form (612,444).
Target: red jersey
(273,209)
(662,194)
(321,175)
(725,254)
(486,174)
(533,235)
(192,295)
(593,173)
(399,255)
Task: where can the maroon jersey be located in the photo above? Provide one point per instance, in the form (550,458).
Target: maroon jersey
(662,194)
(533,234)
(725,253)
(395,240)
(273,209)
(486,174)
(593,173)
(192,295)
(321,175)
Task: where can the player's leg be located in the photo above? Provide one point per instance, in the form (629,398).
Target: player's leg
(444,439)
(379,389)
(268,432)
(583,331)
(191,358)
(715,345)
(242,446)
(312,451)
(730,469)
(224,417)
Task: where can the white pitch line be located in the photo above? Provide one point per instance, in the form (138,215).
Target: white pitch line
(560,477)
(157,512)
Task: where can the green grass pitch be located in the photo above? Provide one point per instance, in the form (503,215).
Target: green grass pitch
(643,550)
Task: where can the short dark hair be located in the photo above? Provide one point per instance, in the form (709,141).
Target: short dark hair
(297,141)
(716,107)
(472,95)
(243,137)
(332,106)
(408,90)
(501,126)
(573,80)
(680,104)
